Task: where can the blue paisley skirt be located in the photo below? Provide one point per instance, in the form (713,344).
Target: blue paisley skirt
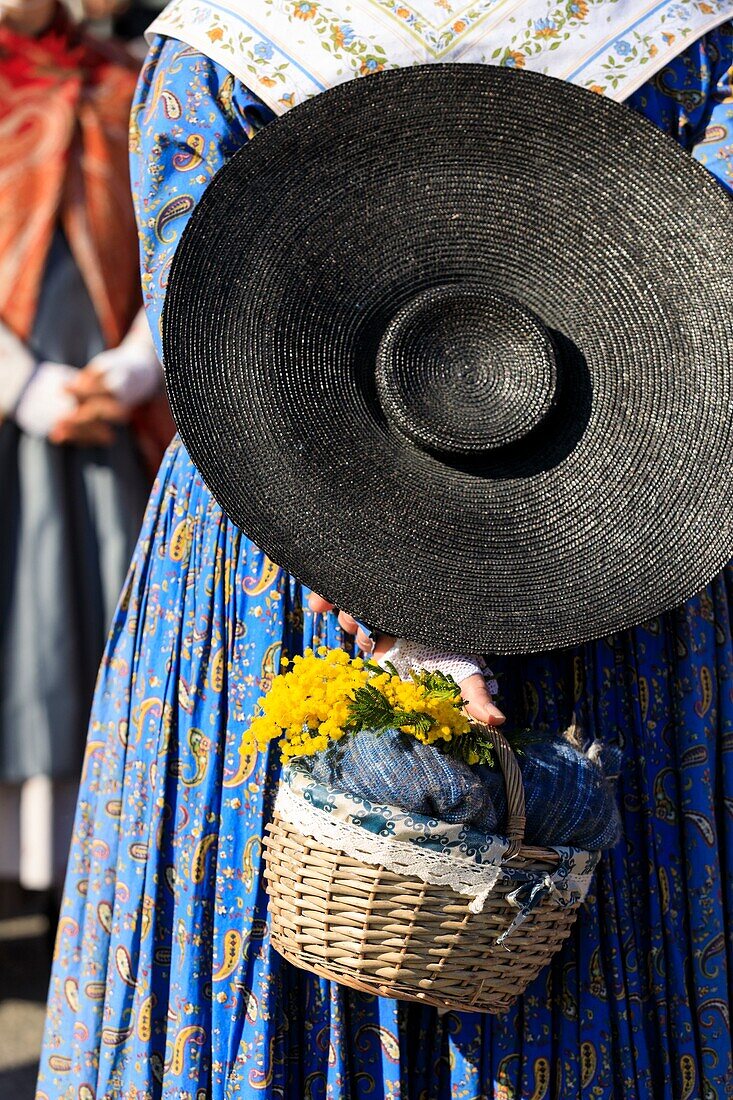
(164,984)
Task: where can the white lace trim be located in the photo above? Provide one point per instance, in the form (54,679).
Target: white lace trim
(474,880)
(406,655)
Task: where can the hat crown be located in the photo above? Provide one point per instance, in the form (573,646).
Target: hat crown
(462,370)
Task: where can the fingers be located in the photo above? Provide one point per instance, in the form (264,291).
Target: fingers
(101,409)
(88,383)
(347,622)
(349,625)
(91,424)
(384,644)
(373,645)
(367,643)
(478,701)
(318,605)
(82,435)
(321,606)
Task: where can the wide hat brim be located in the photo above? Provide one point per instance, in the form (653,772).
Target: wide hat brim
(581,482)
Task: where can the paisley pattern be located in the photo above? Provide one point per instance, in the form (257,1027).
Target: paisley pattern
(164,985)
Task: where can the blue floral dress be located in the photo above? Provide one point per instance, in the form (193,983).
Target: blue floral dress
(164,984)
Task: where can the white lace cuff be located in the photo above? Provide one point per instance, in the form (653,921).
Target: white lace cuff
(406,655)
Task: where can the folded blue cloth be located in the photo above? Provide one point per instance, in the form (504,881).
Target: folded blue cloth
(569,800)
(392,767)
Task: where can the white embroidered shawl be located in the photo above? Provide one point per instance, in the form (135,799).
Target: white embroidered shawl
(288,50)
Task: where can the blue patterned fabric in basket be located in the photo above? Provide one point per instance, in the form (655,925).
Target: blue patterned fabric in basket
(455,855)
(569,800)
(394,768)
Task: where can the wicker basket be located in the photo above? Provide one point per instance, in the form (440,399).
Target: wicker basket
(395,936)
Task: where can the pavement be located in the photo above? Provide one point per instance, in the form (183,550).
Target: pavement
(25,960)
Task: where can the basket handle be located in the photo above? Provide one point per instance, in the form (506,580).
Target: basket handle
(516,817)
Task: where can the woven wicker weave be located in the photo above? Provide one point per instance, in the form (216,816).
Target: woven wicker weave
(371,929)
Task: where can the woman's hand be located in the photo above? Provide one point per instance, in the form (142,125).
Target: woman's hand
(65,405)
(96,416)
(89,383)
(348,623)
(111,385)
(130,372)
(479,704)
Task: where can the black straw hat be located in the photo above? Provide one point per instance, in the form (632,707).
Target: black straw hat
(453,345)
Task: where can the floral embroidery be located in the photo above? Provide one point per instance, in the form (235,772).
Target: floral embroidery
(304,10)
(546,28)
(590,42)
(578,9)
(513,59)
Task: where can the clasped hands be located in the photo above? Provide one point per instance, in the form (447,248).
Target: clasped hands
(85,407)
(71,406)
(96,413)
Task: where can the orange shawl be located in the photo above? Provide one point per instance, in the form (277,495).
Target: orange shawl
(64,108)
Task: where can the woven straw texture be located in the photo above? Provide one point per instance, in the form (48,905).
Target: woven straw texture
(464,371)
(397,936)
